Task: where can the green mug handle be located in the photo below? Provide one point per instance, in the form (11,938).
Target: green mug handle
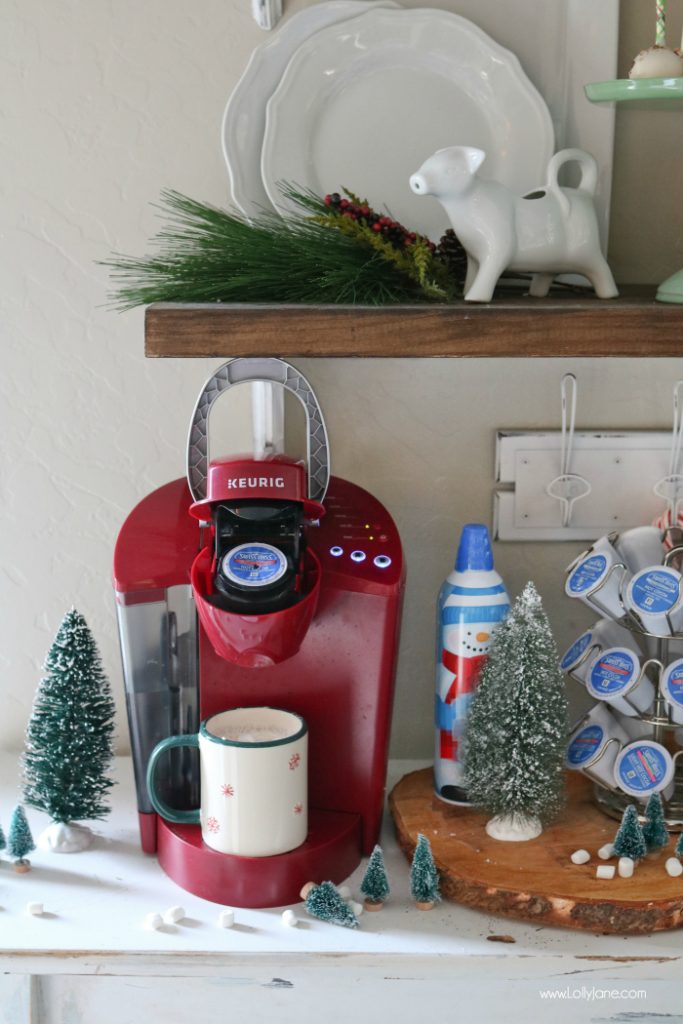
(162,808)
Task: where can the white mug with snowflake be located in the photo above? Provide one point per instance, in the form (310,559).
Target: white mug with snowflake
(254,781)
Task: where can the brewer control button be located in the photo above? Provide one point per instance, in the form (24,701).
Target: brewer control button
(357,556)
(336,551)
(382,561)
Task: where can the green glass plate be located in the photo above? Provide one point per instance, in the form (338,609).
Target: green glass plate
(623,89)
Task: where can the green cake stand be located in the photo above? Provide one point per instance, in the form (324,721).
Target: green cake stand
(625,90)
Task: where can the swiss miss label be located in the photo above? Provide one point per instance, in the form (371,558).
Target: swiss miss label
(613,672)
(573,654)
(254,565)
(643,768)
(584,746)
(674,683)
(655,591)
(587,574)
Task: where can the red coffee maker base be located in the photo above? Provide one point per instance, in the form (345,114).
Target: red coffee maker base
(331,852)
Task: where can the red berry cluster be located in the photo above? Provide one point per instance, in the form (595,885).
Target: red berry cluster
(390,229)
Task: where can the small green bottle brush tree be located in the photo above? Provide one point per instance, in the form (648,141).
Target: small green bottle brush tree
(69,738)
(324,902)
(424,877)
(375,884)
(20,841)
(654,830)
(629,840)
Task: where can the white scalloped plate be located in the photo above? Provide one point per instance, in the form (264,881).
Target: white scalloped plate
(244,120)
(363,103)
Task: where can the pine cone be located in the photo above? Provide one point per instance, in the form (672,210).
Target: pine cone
(450,250)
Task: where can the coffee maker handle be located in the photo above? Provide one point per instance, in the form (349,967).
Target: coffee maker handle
(240,371)
(160,806)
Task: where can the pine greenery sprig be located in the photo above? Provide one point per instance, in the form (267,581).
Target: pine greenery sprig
(205,254)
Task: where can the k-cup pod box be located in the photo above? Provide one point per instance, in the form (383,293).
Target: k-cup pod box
(605,633)
(643,768)
(671,688)
(595,744)
(615,676)
(597,577)
(640,547)
(655,596)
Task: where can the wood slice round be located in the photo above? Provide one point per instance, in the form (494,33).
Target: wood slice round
(536,880)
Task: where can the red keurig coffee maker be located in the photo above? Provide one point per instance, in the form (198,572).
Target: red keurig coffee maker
(252,582)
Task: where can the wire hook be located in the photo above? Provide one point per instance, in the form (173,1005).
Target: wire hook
(669,487)
(568,488)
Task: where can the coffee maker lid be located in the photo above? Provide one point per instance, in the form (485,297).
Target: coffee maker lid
(247,478)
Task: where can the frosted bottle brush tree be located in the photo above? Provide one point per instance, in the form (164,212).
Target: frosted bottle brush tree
(517,728)
(69,738)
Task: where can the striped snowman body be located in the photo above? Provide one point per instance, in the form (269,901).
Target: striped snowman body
(472,603)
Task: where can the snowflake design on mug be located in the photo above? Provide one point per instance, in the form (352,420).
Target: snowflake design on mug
(298,808)
(294,761)
(212,825)
(227,789)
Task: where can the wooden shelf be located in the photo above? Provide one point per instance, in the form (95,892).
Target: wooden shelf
(564,324)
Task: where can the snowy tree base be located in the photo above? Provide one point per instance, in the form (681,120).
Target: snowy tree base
(62,838)
(22,866)
(514,828)
(428,905)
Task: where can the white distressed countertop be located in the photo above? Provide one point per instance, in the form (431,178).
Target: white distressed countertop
(96,903)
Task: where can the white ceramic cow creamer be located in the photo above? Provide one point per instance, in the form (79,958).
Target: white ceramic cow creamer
(552,230)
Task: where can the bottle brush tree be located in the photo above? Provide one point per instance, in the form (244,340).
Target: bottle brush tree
(324,902)
(679,846)
(69,737)
(3,841)
(629,840)
(19,840)
(517,727)
(375,884)
(654,829)
(424,877)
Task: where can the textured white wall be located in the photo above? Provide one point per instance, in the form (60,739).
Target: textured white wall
(105,103)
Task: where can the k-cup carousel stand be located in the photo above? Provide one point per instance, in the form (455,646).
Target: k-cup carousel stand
(631,661)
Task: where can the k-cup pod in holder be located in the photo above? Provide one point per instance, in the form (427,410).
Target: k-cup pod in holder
(605,633)
(635,728)
(595,744)
(643,768)
(671,689)
(640,547)
(654,597)
(597,578)
(616,676)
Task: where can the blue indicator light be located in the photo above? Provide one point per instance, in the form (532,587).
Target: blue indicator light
(358,556)
(382,561)
(336,551)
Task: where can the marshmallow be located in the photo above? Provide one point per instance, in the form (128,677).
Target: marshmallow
(605,871)
(34,908)
(674,867)
(626,867)
(580,857)
(344,892)
(226,919)
(606,851)
(174,914)
(289,919)
(356,908)
(154,921)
